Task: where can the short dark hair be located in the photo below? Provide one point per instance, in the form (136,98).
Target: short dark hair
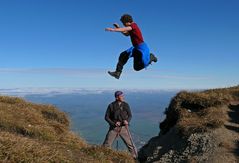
(126,18)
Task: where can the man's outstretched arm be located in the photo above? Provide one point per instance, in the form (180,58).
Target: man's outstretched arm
(123,29)
(117,26)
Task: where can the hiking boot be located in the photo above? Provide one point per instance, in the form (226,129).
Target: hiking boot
(115,74)
(152,58)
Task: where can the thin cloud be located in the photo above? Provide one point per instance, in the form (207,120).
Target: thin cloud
(181,77)
(63,71)
(94,72)
(166,74)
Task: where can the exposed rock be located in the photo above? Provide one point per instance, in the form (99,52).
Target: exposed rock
(208,133)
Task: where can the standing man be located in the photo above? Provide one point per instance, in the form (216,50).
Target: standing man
(118,115)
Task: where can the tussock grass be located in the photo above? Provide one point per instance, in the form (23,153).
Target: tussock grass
(41,133)
(202,121)
(18,116)
(105,155)
(194,112)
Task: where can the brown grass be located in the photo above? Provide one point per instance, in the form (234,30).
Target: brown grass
(198,111)
(202,121)
(40,133)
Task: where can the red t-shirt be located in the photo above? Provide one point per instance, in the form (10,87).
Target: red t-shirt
(135,35)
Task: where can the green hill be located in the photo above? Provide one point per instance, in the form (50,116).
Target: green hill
(40,133)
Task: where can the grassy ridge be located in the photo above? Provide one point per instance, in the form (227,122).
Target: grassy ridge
(198,111)
(40,133)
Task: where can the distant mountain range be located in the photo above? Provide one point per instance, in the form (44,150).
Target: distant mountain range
(56,91)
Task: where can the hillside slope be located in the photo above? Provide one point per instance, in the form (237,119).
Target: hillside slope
(199,127)
(40,133)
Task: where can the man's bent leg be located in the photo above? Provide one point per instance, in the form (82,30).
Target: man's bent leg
(110,137)
(123,58)
(126,138)
(138,61)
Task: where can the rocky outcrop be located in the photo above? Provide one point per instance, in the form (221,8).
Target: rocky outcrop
(199,127)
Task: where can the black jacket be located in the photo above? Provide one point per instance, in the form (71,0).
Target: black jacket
(116,113)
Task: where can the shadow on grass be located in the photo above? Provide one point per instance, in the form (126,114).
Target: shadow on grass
(234,118)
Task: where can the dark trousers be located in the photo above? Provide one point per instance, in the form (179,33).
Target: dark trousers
(124,56)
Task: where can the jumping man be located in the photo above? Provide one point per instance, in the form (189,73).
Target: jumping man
(139,51)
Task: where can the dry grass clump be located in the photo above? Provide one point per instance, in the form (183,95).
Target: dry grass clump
(198,111)
(16,148)
(225,94)
(202,121)
(40,133)
(105,155)
(11,100)
(27,119)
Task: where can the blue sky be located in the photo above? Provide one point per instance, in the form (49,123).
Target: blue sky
(62,43)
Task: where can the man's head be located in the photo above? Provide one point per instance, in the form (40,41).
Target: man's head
(126,19)
(119,96)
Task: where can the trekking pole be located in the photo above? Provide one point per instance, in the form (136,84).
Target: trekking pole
(130,137)
(117,145)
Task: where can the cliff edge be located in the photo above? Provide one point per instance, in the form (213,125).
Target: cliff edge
(199,127)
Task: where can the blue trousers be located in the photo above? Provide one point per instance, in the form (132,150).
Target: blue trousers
(141,56)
